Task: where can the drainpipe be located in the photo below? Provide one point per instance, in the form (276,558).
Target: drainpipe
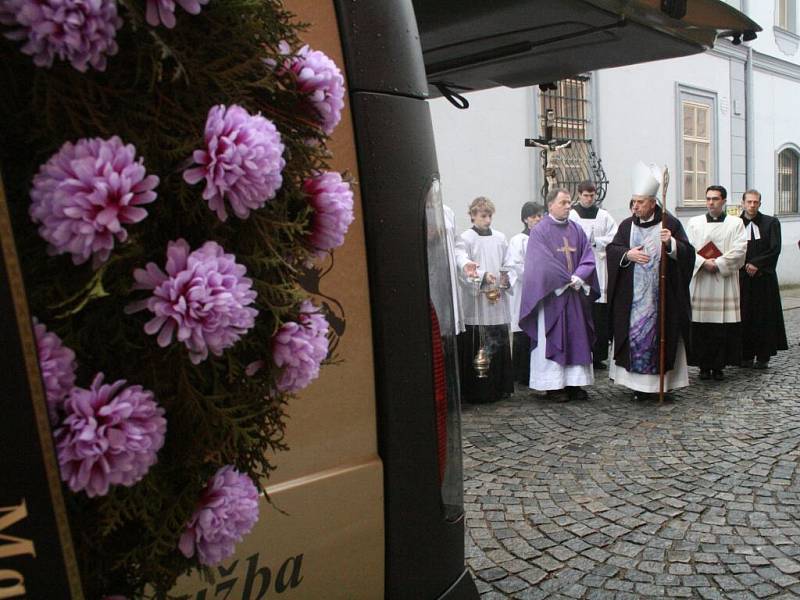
(749,113)
(749,120)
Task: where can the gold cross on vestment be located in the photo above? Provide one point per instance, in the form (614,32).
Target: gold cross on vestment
(566,249)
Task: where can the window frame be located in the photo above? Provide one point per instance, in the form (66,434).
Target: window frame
(795,150)
(704,98)
(786,15)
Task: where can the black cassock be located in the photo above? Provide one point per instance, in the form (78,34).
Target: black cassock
(763,332)
(620,289)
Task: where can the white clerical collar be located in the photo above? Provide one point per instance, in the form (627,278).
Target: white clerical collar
(562,221)
(648,219)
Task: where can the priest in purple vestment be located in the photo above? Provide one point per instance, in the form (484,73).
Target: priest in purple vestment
(559,287)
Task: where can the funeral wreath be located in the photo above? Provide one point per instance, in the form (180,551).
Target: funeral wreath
(167,175)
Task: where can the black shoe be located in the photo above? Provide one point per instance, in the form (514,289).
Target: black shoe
(575,393)
(760,364)
(705,374)
(599,365)
(747,364)
(641,396)
(557,395)
(718,375)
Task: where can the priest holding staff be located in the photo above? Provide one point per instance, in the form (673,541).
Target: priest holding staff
(634,261)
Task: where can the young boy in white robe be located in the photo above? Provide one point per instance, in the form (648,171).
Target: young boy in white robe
(484,283)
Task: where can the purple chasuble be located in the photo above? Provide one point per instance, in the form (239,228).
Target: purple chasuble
(556,251)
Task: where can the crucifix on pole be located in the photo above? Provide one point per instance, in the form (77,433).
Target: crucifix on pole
(550,148)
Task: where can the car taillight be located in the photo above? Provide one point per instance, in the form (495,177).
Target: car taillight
(440,393)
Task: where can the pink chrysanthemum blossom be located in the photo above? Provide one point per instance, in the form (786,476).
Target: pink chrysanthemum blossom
(163,11)
(203,299)
(79,31)
(110,436)
(86,193)
(242,162)
(300,347)
(227,511)
(57,365)
(320,79)
(332,201)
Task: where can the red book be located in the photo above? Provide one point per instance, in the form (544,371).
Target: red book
(710,250)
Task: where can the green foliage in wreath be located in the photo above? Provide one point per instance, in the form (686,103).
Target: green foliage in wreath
(228,409)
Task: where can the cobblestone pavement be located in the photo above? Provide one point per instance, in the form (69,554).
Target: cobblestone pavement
(699,498)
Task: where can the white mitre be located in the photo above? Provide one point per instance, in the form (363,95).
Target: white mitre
(646,179)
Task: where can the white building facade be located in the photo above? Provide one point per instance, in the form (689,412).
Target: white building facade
(730,116)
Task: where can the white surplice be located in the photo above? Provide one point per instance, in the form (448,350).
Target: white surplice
(600,231)
(715,296)
(515,265)
(489,252)
(452,240)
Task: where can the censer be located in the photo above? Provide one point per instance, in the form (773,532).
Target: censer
(482,361)
(494,293)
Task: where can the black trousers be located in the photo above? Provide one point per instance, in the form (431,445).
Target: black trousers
(716,345)
(500,380)
(600,318)
(521,355)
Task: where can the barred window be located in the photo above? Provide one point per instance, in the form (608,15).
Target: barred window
(570,106)
(787,182)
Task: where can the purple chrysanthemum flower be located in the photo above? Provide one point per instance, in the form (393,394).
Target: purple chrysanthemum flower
(227,511)
(332,201)
(57,365)
(300,347)
(163,11)
(84,195)
(110,436)
(243,161)
(79,31)
(321,80)
(203,299)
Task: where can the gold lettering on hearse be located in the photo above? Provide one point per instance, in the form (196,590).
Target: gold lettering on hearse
(12,583)
(10,545)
